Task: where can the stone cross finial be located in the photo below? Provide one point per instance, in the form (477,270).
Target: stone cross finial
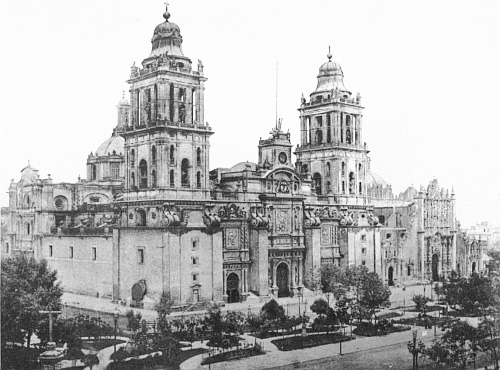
(166,15)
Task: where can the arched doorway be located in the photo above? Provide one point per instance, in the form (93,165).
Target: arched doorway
(435,267)
(233,288)
(473,267)
(282,280)
(390,275)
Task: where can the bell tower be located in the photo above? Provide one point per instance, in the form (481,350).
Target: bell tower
(166,140)
(331,149)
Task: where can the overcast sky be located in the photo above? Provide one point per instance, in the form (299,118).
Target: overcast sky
(427,71)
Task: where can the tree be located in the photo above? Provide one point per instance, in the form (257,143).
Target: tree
(164,339)
(272,310)
(163,309)
(373,294)
(333,282)
(90,360)
(28,286)
(327,317)
(494,265)
(489,333)
(474,295)
(421,302)
(320,307)
(222,327)
(255,323)
(456,346)
(134,320)
(451,290)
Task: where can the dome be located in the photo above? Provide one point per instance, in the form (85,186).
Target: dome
(123,101)
(330,77)
(373,179)
(242,166)
(330,68)
(167,39)
(114,144)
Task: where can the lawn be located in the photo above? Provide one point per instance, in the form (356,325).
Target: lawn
(312,340)
(19,358)
(233,355)
(428,321)
(367,330)
(98,344)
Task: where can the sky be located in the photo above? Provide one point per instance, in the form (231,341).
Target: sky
(428,73)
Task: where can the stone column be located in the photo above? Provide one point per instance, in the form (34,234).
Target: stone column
(303,131)
(224,286)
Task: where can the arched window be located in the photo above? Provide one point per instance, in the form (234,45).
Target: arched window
(352,185)
(28,228)
(343,187)
(341,127)
(348,135)
(317,183)
(304,168)
(319,136)
(172,154)
(328,187)
(185,173)
(153,179)
(359,168)
(309,139)
(143,170)
(328,169)
(27,202)
(94,172)
(132,157)
(329,129)
(132,179)
(343,169)
(153,154)
(198,179)
(171,102)
(360,188)
(172,178)
(198,157)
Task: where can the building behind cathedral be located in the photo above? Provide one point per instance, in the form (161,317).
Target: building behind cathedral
(152,218)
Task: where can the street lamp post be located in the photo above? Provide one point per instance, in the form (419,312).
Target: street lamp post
(341,339)
(415,349)
(116,313)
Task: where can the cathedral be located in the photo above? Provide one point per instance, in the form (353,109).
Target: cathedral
(152,218)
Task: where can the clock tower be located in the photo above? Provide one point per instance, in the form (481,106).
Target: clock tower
(275,151)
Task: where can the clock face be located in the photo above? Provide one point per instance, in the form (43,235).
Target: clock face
(282,157)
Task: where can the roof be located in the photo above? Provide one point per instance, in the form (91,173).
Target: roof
(372,179)
(114,144)
(242,166)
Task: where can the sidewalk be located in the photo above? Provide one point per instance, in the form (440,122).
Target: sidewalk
(104,308)
(275,358)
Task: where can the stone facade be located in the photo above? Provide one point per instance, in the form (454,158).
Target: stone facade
(153,219)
